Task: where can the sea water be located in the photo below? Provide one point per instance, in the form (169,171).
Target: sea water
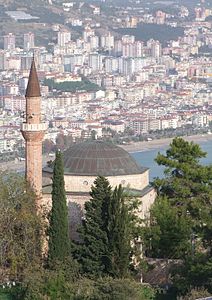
(147,158)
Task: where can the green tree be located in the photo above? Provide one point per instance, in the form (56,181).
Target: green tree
(91,252)
(72,86)
(195,272)
(42,283)
(182,214)
(109,227)
(59,242)
(186,180)
(118,223)
(195,294)
(187,185)
(20,227)
(168,235)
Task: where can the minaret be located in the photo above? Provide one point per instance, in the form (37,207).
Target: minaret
(33,131)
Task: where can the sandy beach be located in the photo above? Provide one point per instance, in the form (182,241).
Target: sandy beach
(155,144)
(134,147)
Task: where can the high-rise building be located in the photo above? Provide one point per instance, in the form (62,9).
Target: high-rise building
(9,41)
(87,33)
(33,131)
(2,60)
(129,50)
(111,65)
(95,61)
(128,66)
(139,48)
(118,47)
(63,37)
(29,40)
(155,48)
(26,62)
(107,41)
(37,57)
(94,42)
(71,62)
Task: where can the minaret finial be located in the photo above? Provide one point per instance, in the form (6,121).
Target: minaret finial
(33,87)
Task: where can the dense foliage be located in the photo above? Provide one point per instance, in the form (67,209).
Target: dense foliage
(72,86)
(54,285)
(169,233)
(145,32)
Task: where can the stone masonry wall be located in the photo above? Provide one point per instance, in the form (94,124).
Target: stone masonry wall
(83,183)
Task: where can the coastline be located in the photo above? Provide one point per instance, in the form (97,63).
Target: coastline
(131,148)
(161,143)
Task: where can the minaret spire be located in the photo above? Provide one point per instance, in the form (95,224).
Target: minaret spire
(33,87)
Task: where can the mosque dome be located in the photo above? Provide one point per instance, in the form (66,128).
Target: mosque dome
(99,158)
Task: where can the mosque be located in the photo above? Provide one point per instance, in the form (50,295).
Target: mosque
(83,162)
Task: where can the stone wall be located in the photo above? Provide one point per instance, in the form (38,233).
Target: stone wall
(77,183)
(146,202)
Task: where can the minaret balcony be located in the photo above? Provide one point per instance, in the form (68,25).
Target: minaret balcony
(34,127)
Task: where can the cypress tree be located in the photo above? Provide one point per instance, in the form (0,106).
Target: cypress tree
(119,233)
(92,252)
(59,244)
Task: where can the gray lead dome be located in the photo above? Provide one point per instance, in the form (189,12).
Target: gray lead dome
(99,158)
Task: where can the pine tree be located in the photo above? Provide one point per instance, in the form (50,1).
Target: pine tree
(168,234)
(187,185)
(92,252)
(119,233)
(59,244)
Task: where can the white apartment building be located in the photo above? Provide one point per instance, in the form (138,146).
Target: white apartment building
(9,41)
(200,120)
(144,125)
(63,37)
(128,39)
(29,40)
(94,42)
(111,65)
(95,61)
(169,122)
(107,41)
